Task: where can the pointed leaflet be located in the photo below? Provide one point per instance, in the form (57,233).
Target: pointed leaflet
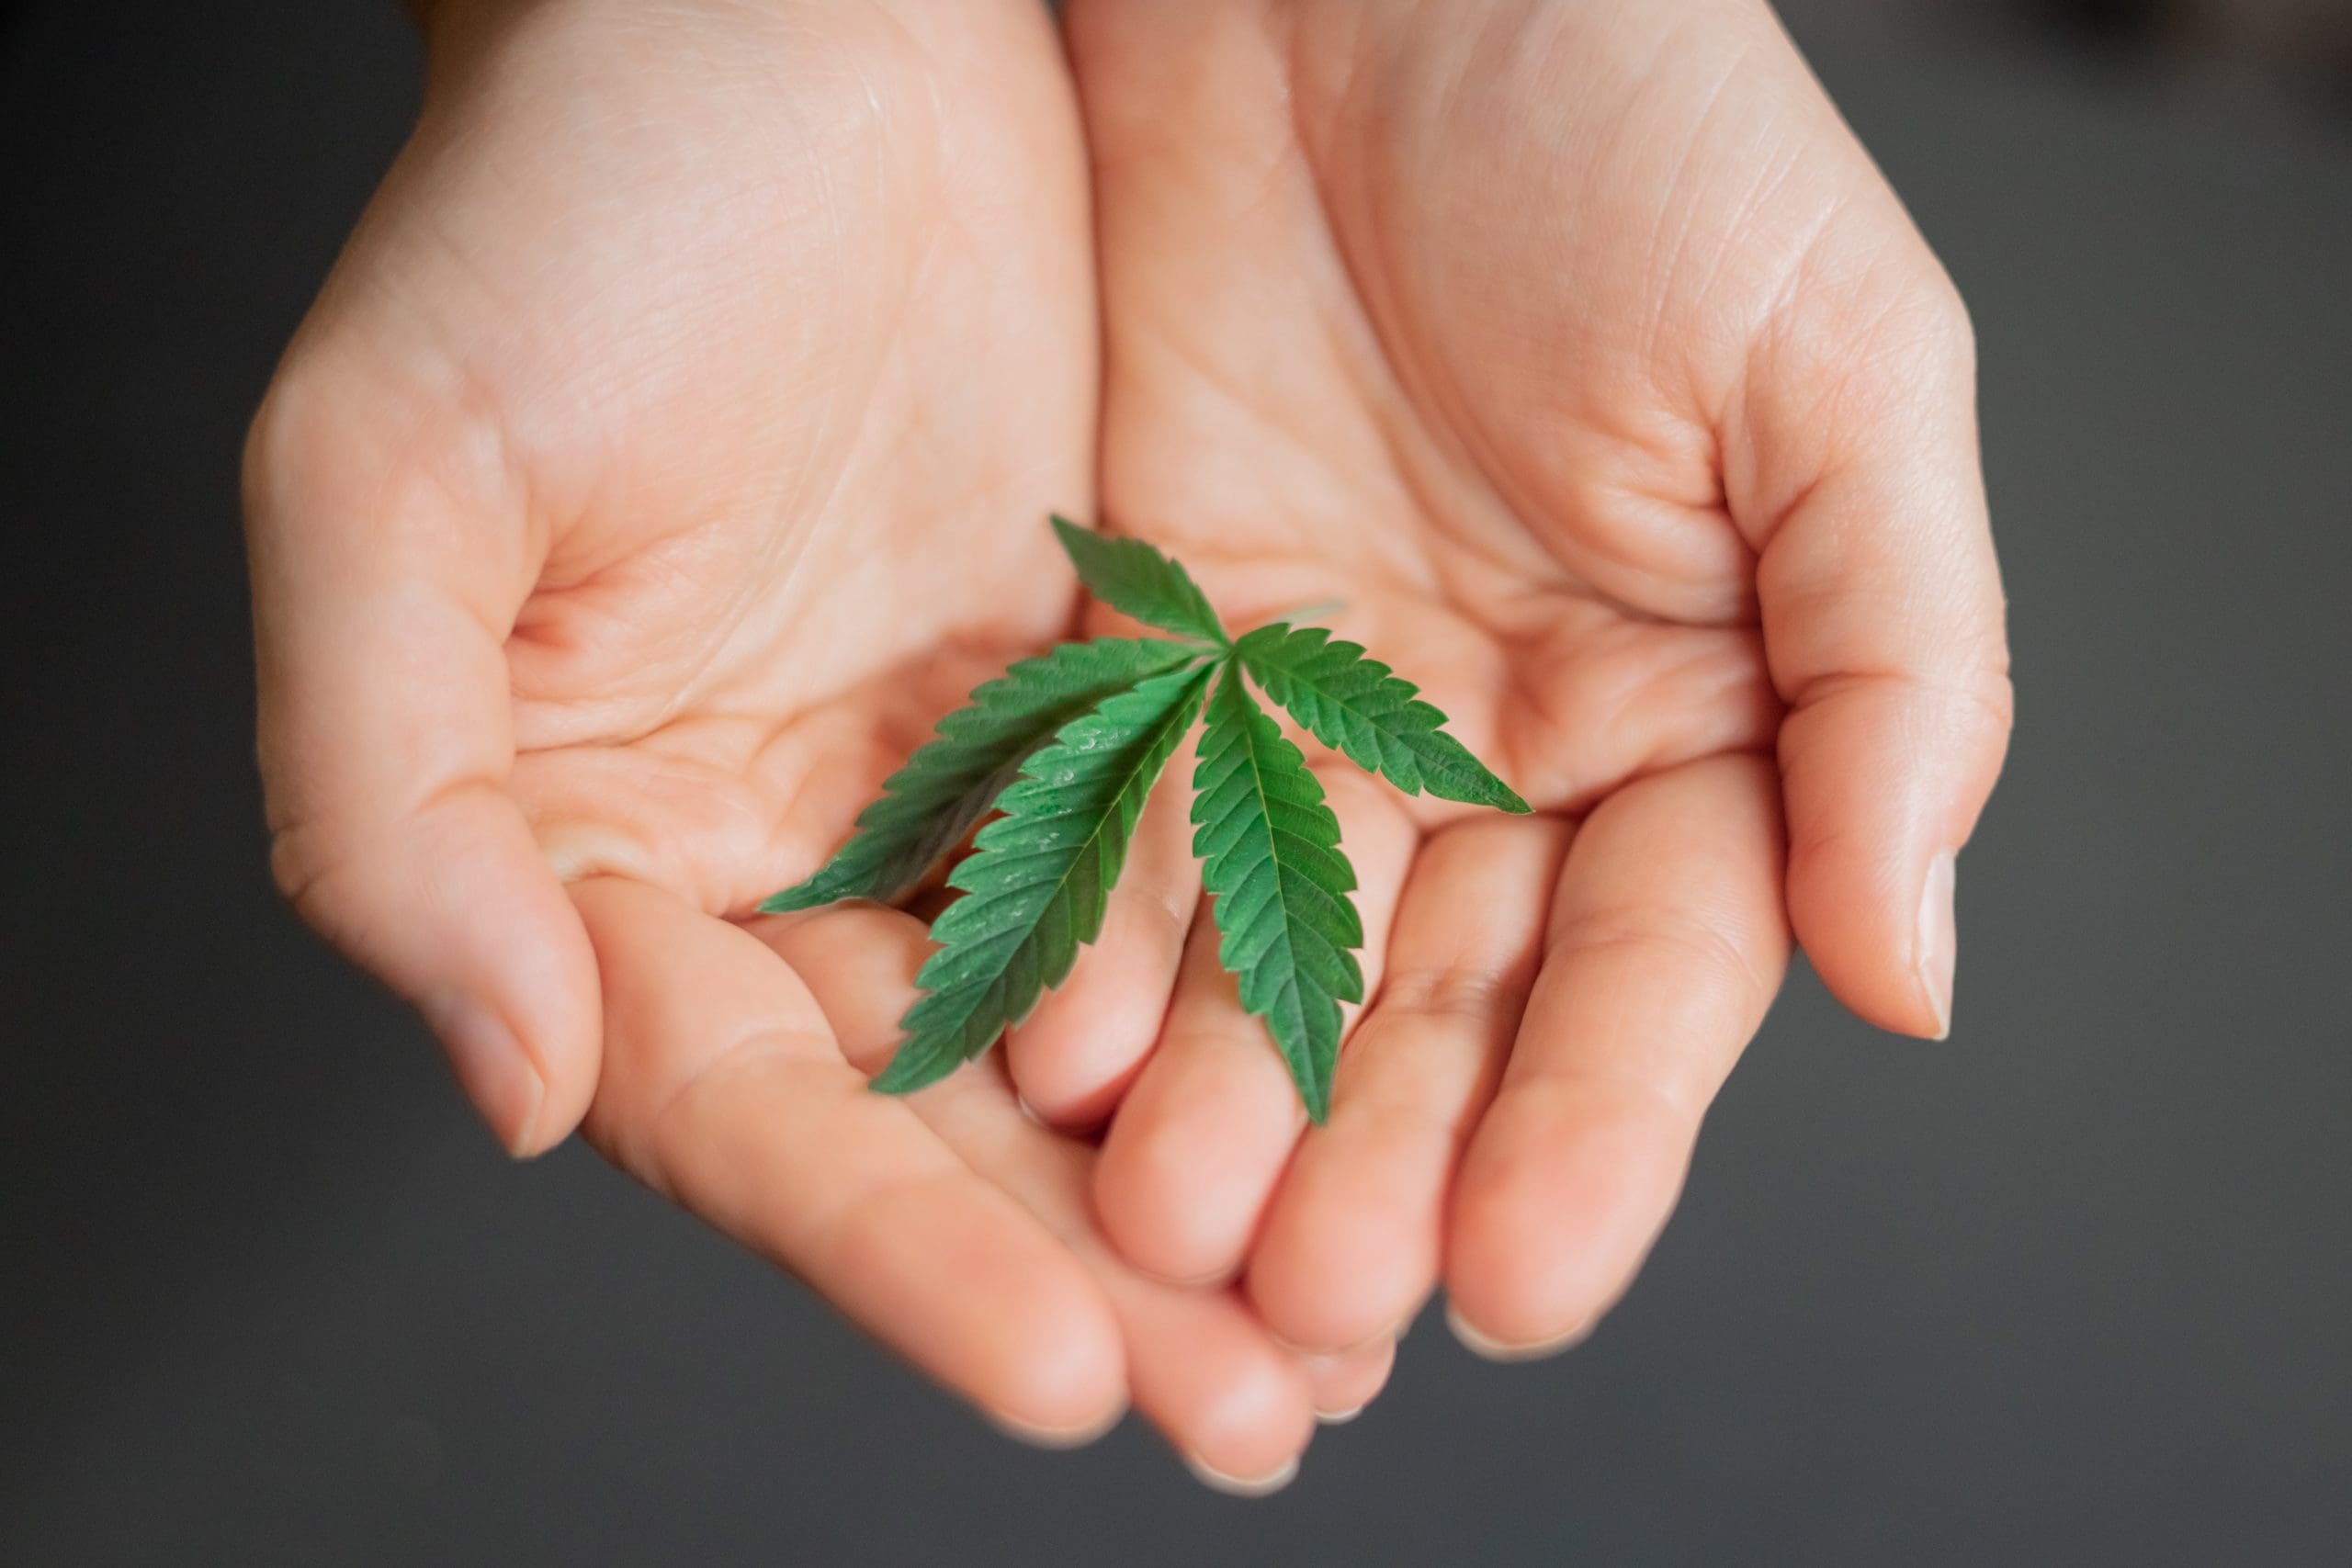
(927,806)
(1353,705)
(1270,851)
(1035,888)
(1135,580)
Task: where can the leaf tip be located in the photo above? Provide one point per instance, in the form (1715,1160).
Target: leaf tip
(1076,541)
(912,1070)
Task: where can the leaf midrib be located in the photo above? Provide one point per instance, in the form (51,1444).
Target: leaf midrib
(1282,890)
(1381,733)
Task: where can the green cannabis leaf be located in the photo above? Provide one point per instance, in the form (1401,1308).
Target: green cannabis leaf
(927,806)
(1270,852)
(1138,581)
(1353,705)
(1068,747)
(1039,878)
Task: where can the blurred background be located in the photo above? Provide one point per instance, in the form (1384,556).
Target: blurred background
(2074,1288)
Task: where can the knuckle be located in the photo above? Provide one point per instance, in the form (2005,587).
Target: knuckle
(285,435)
(301,455)
(343,439)
(1696,946)
(1457,991)
(1648,1108)
(321,881)
(295,868)
(1941,326)
(1920,346)
(1996,698)
(319,887)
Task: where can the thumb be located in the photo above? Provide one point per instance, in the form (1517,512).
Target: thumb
(1857,477)
(388,557)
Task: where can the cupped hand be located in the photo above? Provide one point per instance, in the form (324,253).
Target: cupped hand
(667,450)
(1580,352)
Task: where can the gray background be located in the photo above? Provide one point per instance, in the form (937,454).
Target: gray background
(2074,1288)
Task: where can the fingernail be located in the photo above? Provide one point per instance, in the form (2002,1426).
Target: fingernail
(1241,1486)
(1337,1353)
(1339,1417)
(1076,1437)
(1493,1350)
(1936,944)
(492,1069)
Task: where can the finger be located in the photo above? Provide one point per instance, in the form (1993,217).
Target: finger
(1345,1382)
(725,1089)
(1666,943)
(1352,1244)
(1201,1139)
(1075,1056)
(388,564)
(1235,1405)
(1882,626)
(1238,1406)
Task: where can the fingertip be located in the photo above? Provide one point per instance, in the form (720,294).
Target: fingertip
(1071,1066)
(1198,1150)
(1068,1386)
(1074,1058)
(1560,1199)
(1076,1437)
(985,1300)
(1181,1182)
(1935,941)
(1878,928)
(1247,1439)
(551,986)
(1488,1347)
(1882,780)
(1227,1397)
(727,1090)
(1314,1318)
(454,909)
(1335,1268)
(492,1070)
(1264,1486)
(1346,1381)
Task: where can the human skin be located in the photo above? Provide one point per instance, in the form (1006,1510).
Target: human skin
(668,449)
(1582,354)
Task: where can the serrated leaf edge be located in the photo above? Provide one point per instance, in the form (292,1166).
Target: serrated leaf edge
(1196,620)
(1437,775)
(928,1052)
(1309,1071)
(841,877)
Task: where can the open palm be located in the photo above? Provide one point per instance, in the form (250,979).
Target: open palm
(1583,357)
(665,453)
